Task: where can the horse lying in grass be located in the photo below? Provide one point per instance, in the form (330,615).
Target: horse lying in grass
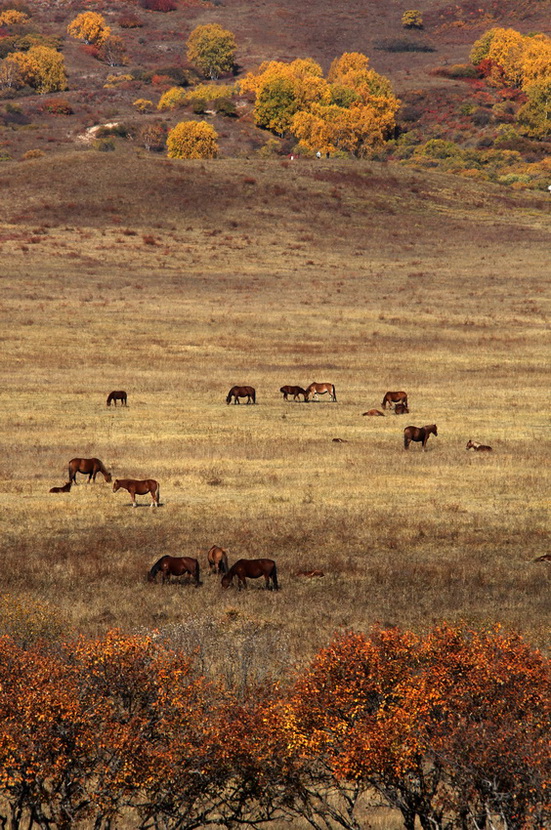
(474,445)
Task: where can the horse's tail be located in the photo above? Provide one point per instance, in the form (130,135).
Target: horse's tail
(223,565)
(155,570)
(158,493)
(274,578)
(228,397)
(406,439)
(197,573)
(253,395)
(334,391)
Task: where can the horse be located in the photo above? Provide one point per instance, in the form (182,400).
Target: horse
(117,396)
(393,398)
(175,566)
(65,489)
(401,409)
(339,440)
(218,560)
(87,466)
(237,392)
(252,568)
(316,389)
(139,488)
(295,391)
(474,445)
(545,558)
(309,574)
(374,412)
(420,434)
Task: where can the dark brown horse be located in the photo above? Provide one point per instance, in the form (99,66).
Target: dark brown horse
(139,488)
(419,434)
(169,566)
(474,445)
(392,398)
(237,392)
(545,558)
(252,568)
(88,467)
(218,560)
(401,409)
(65,489)
(295,391)
(374,412)
(309,574)
(117,396)
(316,389)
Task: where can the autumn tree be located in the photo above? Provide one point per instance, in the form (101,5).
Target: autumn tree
(153,136)
(412,19)
(192,140)
(13,17)
(212,50)
(534,116)
(89,27)
(40,67)
(112,51)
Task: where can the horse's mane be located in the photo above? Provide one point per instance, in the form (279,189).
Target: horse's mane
(156,567)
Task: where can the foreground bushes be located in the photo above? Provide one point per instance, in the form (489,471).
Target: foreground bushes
(451,728)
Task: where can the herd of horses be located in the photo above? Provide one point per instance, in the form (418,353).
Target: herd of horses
(217,559)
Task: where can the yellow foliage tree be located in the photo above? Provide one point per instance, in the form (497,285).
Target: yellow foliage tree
(89,27)
(329,129)
(520,60)
(13,17)
(536,60)
(192,140)
(172,99)
(41,68)
(212,50)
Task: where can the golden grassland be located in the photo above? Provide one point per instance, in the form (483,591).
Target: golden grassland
(175,281)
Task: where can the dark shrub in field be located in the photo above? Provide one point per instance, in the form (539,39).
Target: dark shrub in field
(403,45)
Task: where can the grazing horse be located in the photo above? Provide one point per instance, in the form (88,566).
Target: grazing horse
(474,445)
(237,392)
(392,398)
(545,558)
(401,409)
(420,434)
(295,391)
(88,467)
(252,568)
(175,566)
(139,488)
(65,489)
(374,412)
(117,396)
(218,560)
(316,389)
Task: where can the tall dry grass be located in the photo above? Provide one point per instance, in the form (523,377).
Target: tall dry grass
(344,273)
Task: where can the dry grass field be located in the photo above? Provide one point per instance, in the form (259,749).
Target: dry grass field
(176,280)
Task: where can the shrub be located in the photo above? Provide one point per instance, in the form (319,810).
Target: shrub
(159,5)
(153,136)
(32,154)
(104,145)
(13,17)
(172,99)
(402,45)
(211,49)
(130,21)
(57,106)
(112,51)
(143,105)
(412,19)
(192,140)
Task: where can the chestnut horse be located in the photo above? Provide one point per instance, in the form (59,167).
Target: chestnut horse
(218,560)
(175,566)
(295,391)
(252,568)
(375,412)
(88,467)
(420,434)
(401,409)
(117,396)
(65,489)
(316,389)
(237,392)
(139,488)
(474,445)
(392,398)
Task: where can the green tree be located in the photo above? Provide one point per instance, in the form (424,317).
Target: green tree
(192,140)
(211,49)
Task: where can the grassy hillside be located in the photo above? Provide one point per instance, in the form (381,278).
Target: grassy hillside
(203,275)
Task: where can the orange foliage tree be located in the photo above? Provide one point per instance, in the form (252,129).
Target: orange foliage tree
(89,27)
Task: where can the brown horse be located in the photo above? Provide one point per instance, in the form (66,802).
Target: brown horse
(374,412)
(545,558)
(309,574)
(139,488)
(65,489)
(392,398)
(420,434)
(175,566)
(218,560)
(251,568)
(401,409)
(237,392)
(117,396)
(295,391)
(474,445)
(88,467)
(316,389)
